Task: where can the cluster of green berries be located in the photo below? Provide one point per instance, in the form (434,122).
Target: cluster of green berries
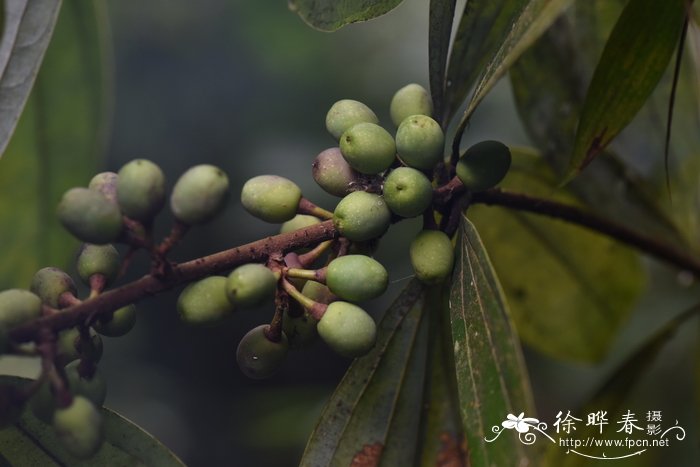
(380,179)
(115,207)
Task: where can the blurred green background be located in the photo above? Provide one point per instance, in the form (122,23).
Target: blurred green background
(246,86)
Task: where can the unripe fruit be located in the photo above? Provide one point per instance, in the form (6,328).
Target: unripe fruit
(79,427)
(356,278)
(299,221)
(362,216)
(318,292)
(70,346)
(141,189)
(199,194)
(90,216)
(18,306)
(412,99)
(484,165)
(93,388)
(43,403)
(333,173)
(119,323)
(250,285)
(257,356)
(205,301)
(347,113)
(97,259)
(105,183)
(368,148)
(420,142)
(407,192)
(432,256)
(347,329)
(50,283)
(271,198)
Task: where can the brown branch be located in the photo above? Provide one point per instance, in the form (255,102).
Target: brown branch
(106,302)
(582,217)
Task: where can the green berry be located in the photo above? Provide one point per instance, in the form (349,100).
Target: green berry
(368,148)
(347,329)
(141,189)
(105,183)
(420,142)
(356,278)
(271,198)
(79,427)
(362,216)
(50,283)
(432,256)
(257,356)
(333,173)
(484,165)
(205,301)
(318,292)
(93,388)
(412,99)
(118,324)
(299,221)
(18,306)
(200,194)
(407,192)
(347,113)
(97,259)
(70,346)
(250,285)
(90,216)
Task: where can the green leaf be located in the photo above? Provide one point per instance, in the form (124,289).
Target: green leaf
(491,374)
(570,289)
(371,417)
(54,147)
(633,61)
(442,440)
(491,36)
(331,15)
(33,442)
(549,82)
(27,33)
(442,14)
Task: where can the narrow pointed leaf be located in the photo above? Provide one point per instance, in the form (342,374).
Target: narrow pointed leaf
(33,442)
(28,27)
(440,31)
(491,374)
(371,417)
(330,15)
(634,59)
(55,147)
(490,37)
(570,289)
(549,84)
(442,440)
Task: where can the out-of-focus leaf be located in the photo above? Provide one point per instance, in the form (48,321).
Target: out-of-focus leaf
(611,396)
(33,442)
(55,147)
(491,374)
(569,288)
(549,82)
(490,37)
(441,16)
(371,418)
(441,440)
(26,35)
(330,15)
(634,59)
